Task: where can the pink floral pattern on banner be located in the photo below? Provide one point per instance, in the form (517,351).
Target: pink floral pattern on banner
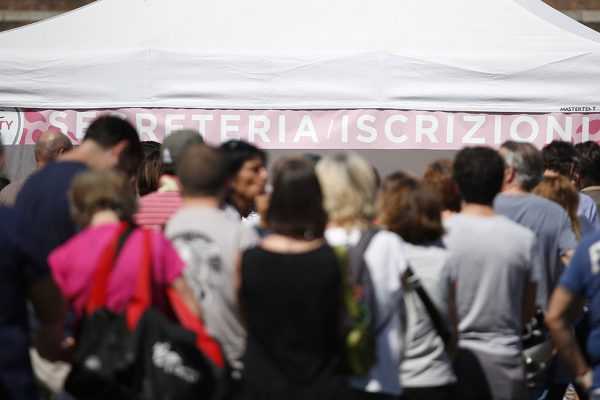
(317,129)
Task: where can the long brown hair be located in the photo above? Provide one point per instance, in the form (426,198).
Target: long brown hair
(410,209)
(562,191)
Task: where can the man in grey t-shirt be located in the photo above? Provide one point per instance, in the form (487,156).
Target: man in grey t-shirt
(492,264)
(210,243)
(548,220)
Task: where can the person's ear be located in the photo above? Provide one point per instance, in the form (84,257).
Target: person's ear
(576,179)
(120,147)
(509,174)
(117,151)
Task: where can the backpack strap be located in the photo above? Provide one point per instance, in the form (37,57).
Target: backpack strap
(356,255)
(97,296)
(123,238)
(441,327)
(209,346)
(142,296)
(360,277)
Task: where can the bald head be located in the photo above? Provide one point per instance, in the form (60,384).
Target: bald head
(50,145)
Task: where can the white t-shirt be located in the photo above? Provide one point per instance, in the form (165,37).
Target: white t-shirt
(208,241)
(386,260)
(426,362)
(251,221)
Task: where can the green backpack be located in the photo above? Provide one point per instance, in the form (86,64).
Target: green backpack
(359,304)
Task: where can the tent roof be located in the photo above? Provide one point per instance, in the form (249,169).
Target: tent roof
(461,55)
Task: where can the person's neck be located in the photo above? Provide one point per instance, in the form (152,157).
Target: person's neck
(169,183)
(104,217)
(243,206)
(448,214)
(514,190)
(88,153)
(350,225)
(201,202)
(479,210)
(289,245)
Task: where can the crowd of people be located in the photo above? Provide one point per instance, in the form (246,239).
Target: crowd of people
(451,270)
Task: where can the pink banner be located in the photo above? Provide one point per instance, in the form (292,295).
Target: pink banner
(318,129)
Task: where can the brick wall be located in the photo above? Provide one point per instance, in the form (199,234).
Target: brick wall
(574,4)
(584,11)
(14,13)
(62,5)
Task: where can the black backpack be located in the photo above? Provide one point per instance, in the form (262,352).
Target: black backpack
(140,354)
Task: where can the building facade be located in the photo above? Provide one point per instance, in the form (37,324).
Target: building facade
(15,13)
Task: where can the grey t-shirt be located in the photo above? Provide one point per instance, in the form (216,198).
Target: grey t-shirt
(491,262)
(8,195)
(209,242)
(426,362)
(553,230)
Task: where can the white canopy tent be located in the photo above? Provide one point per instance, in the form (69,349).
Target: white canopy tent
(463,55)
(494,56)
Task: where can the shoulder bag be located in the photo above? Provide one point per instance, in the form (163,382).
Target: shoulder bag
(140,354)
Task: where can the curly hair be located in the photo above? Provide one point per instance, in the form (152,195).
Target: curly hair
(438,176)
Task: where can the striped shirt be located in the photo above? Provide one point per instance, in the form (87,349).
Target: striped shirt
(156,208)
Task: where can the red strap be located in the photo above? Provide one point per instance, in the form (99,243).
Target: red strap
(209,346)
(97,296)
(142,296)
(142,299)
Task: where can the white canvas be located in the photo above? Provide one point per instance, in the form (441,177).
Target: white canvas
(461,55)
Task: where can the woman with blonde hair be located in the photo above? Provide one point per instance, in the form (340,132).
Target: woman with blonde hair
(562,191)
(348,183)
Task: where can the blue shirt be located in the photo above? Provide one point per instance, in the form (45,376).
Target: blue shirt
(582,278)
(587,212)
(43,200)
(20,266)
(553,231)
